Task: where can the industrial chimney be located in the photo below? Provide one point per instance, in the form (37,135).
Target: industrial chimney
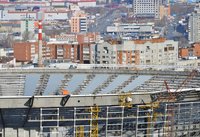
(39,18)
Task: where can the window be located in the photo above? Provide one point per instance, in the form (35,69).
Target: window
(169,45)
(147,61)
(171,48)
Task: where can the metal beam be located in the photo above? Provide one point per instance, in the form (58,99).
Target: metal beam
(73,101)
(78,100)
(64,100)
(95,71)
(2,119)
(30,105)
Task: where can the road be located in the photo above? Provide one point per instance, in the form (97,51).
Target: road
(105,20)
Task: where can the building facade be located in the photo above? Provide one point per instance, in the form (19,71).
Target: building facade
(147,9)
(165,11)
(193,51)
(138,52)
(134,30)
(78,22)
(25,51)
(61,51)
(12,15)
(194,26)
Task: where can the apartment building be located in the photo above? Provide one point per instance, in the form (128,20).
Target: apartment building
(140,52)
(165,11)
(146,8)
(61,51)
(157,51)
(78,22)
(103,53)
(25,51)
(193,51)
(28,51)
(89,37)
(84,40)
(54,50)
(194,26)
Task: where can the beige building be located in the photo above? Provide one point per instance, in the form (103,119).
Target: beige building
(139,52)
(78,22)
(165,11)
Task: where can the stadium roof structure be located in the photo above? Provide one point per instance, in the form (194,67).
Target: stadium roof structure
(47,85)
(32,102)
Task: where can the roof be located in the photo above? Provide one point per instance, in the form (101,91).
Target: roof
(156,40)
(45,82)
(5,59)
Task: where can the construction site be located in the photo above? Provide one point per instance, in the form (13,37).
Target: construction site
(100,102)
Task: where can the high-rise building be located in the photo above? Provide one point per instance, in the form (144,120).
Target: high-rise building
(146,8)
(79,22)
(194,26)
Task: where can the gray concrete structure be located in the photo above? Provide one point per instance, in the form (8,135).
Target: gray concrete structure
(129,102)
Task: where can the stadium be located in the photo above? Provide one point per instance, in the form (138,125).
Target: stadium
(99,102)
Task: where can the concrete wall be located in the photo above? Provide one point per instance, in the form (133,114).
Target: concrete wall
(20,132)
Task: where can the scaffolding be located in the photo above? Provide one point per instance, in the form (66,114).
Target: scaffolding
(117,121)
(94,122)
(80,131)
(114,127)
(49,121)
(125,99)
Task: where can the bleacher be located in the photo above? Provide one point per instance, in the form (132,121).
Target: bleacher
(93,82)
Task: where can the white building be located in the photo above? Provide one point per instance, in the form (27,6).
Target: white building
(27,26)
(2,52)
(20,15)
(139,52)
(131,28)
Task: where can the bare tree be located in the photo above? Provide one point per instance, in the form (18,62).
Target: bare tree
(27,35)
(183,42)
(6,40)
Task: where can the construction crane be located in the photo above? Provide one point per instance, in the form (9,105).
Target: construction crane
(172,96)
(175,96)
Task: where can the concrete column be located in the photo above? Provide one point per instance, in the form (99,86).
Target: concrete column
(33,133)
(22,132)
(10,132)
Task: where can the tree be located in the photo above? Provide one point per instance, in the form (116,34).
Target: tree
(27,35)
(6,40)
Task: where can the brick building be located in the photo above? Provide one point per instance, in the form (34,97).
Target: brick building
(190,52)
(84,41)
(25,51)
(62,51)
(70,47)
